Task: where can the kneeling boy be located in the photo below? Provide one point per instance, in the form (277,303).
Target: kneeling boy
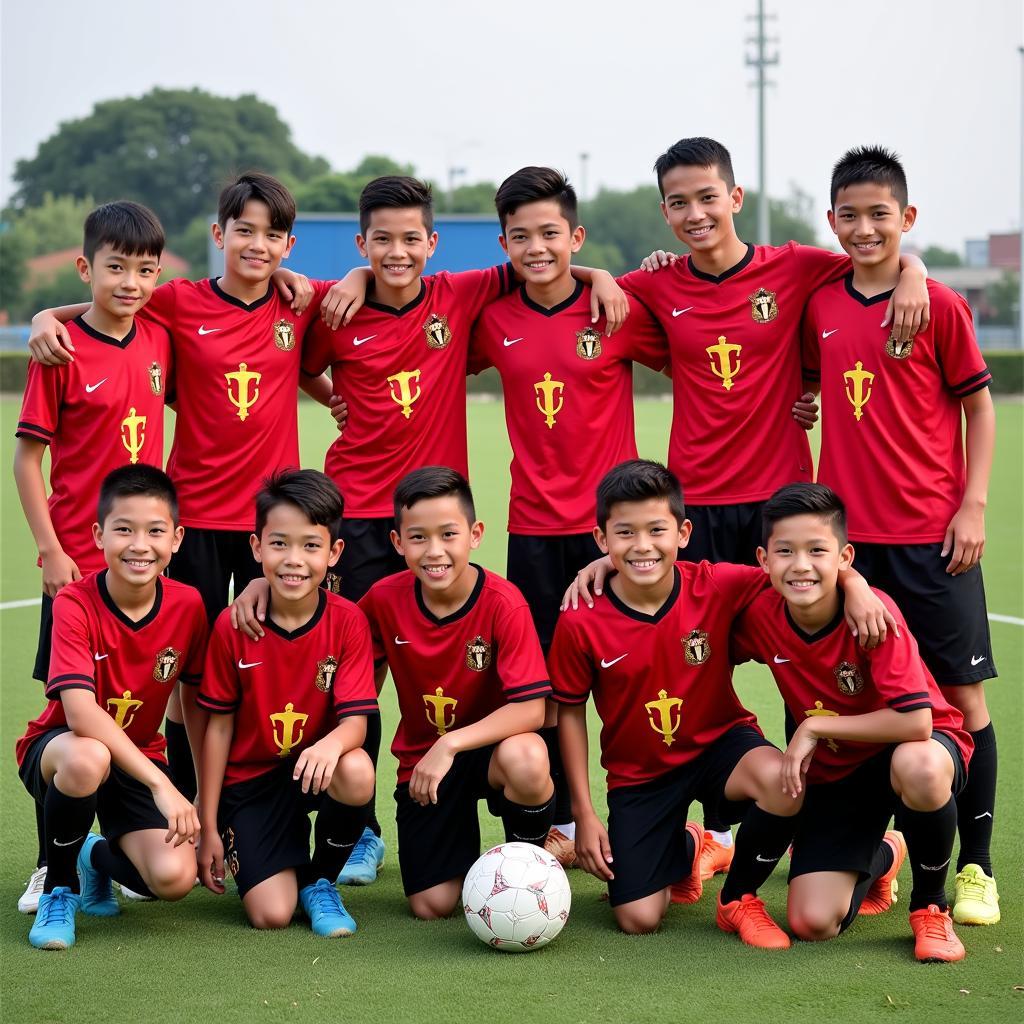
(122,637)
(288,718)
(471,685)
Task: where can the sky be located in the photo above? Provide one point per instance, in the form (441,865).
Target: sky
(491,87)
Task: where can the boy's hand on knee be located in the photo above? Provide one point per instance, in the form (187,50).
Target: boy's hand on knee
(315,765)
(249,609)
(427,775)
(593,850)
(211,860)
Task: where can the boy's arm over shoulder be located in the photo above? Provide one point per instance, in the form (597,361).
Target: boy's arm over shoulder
(956,344)
(747,632)
(163,303)
(476,288)
(645,337)
(353,686)
(521,666)
(897,671)
(319,348)
(739,585)
(815,267)
(569,660)
(219,692)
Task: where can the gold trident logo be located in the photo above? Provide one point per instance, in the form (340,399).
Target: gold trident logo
(243,378)
(546,390)
(724,368)
(664,707)
(124,708)
(820,709)
(858,388)
(439,704)
(404,396)
(133,434)
(288,720)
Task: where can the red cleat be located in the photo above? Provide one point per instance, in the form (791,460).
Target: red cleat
(882,894)
(748,918)
(715,858)
(690,888)
(935,942)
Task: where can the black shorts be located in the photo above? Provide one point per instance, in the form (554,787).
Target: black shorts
(123,803)
(646,823)
(542,568)
(441,841)
(368,556)
(946,614)
(209,559)
(842,822)
(264,823)
(724,533)
(41,670)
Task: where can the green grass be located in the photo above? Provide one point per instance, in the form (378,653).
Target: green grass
(198,960)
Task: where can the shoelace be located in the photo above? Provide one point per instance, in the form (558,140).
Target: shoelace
(325,898)
(361,851)
(36,883)
(756,912)
(58,907)
(935,924)
(974,888)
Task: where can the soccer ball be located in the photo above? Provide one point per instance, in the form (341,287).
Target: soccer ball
(516,897)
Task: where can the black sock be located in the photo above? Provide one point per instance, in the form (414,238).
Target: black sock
(372,746)
(109,858)
(67,820)
(526,824)
(712,819)
(930,836)
(179,760)
(338,827)
(976,803)
(880,863)
(761,841)
(563,798)
(40,837)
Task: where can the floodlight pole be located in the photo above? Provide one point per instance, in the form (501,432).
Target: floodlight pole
(760,62)
(584,159)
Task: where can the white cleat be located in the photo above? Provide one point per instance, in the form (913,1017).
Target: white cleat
(28,902)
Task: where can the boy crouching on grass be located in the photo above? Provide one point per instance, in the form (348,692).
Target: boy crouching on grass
(288,718)
(122,638)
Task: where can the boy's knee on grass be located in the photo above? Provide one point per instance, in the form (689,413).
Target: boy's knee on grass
(638,920)
(436,903)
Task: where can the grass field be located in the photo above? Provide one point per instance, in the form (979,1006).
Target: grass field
(198,961)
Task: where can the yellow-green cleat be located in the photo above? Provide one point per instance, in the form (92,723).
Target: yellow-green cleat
(977,899)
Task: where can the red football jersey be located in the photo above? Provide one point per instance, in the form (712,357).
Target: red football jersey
(568,401)
(891,425)
(829,673)
(453,671)
(236,394)
(130,667)
(102,411)
(662,683)
(403,374)
(290,689)
(735,353)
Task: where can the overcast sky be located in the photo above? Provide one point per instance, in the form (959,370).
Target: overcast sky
(493,86)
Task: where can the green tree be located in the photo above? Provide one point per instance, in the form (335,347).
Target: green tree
(12,270)
(1002,300)
(338,192)
(63,288)
(477,198)
(627,222)
(171,149)
(790,219)
(55,224)
(936,256)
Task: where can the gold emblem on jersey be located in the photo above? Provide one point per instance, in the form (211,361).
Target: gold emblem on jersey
(549,398)
(896,348)
(332,583)
(123,709)
(437,708)
(696,647)
(848,676)
(478,654)
(156,378)
(325,672)
(284,335)
(723,365)
(242,399)
(858,388)
(133,434)
(665,724)
(763,306)
(230,853)
(289,720)
(167,663)
(820,709)
(439,334)
(588,343)
(399,385)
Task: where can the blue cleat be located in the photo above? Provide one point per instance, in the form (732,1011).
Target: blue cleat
(364,860)
(97,889)
(54,926)
(327,914)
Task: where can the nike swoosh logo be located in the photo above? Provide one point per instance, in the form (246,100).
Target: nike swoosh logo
(978,817)
(338,846)
(507,343)
(937,867)
(100,657)
(70,842)
(977,661)
(211,330)
(363,341)
(400,642)
(767,860)
(90,388)
(680,312)
(780,661)
(828,334)
(608,664)
(248,664)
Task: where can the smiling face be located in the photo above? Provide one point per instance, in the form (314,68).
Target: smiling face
(253,247)
(397,245)
(540,242)
(643,539)
(138,538)
(868,222)
(699,207)
(121,284)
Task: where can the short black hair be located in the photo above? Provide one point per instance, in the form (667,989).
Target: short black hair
(433,482)
(532,185)
(639,480)
(396,192)
(315,495)
(265,189)
(696,152)
(132,480)
(871,165)
(128,227)
(804,500)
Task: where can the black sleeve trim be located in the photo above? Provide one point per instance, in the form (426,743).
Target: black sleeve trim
(909,697)
(71,675)
(344,705)
(903,708)
(23,425)
(977,387)
(52,690)
(568,698)
(220,707)
(190,680)
(512,691)
(973,379)
(356,712)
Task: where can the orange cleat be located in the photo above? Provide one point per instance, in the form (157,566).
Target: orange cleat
(748,918)
(882,894)
(690,888)
(714,858)
(561,847)
(935,942)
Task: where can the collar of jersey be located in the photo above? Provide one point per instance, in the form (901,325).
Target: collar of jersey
(864,300)
(669,604)
(459,613)
(232,301)
(726,274)
(381,308)
(101,586)
(554,310)
(306,627)
(106,338)
(827,630)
